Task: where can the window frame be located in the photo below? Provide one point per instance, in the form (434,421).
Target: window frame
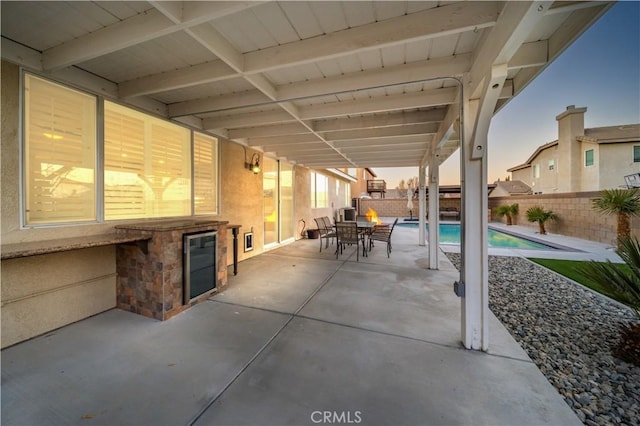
(314,190)
(153,123)
(551,165)
(99,157)
(633,153)
(22,154)
(593,157)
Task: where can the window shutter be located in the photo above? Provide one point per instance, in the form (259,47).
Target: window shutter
(205,174)
(147,166)
(60,153)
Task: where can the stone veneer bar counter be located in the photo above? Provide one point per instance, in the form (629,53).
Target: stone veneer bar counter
(150,278)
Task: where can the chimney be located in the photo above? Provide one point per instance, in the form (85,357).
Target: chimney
(571,122)
(570,126)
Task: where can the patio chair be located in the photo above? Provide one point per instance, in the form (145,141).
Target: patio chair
(326,230)
(383,234)
(347,233)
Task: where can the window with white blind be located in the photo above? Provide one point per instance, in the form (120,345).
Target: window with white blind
(205,174)
(347,194)
(59,153)
(319,190)
(147,165)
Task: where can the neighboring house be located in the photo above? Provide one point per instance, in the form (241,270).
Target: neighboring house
(582,159)
(510,187)
(362,175)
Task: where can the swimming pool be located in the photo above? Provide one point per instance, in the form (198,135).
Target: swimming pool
(450,234)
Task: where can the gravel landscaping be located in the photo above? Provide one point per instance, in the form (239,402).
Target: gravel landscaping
(568,331)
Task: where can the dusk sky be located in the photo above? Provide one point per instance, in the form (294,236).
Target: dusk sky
(600,71)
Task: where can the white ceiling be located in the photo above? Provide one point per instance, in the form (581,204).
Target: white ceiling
(319,83)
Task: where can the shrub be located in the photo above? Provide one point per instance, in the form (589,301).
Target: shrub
(508,210)
(540,215)
(626,287)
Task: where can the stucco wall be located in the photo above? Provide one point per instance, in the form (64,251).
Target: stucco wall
(68,286)
(42,293)
(589,175)
(241,197)
(616,161)
(576,216)
(304,215)
(525,175)
(548,180)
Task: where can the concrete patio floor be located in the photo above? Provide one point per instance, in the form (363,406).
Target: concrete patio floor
(298,335)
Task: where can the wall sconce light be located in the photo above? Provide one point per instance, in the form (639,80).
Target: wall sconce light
(254,164)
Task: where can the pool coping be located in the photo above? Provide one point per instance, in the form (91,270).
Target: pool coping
(551,245)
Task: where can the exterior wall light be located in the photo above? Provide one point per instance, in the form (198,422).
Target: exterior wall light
(254,164)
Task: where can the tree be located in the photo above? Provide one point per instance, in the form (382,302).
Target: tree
(540,215)
(508,210)
(402,189)
(622,202)
(625,286)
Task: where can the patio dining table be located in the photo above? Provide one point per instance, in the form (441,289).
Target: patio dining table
(364,229)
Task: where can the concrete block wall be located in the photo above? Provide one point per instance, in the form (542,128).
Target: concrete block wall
(577,218)
(397,207)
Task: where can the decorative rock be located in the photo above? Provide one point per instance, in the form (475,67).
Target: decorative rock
(568,332)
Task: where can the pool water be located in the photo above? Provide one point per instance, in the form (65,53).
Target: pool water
(450,234)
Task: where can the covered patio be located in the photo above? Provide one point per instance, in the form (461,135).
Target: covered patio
(296,337)
(309,85)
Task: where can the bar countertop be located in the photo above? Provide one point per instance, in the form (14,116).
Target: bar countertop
(172,225)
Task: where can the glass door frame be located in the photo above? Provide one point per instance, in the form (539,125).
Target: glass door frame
(279,219)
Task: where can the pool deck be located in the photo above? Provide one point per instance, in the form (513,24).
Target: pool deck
(579,249)
(296,335)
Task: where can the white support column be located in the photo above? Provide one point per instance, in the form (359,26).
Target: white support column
(474,275)
(422,209)
(474,242)
(434,211)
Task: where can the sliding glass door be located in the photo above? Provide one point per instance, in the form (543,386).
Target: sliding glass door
(278,202)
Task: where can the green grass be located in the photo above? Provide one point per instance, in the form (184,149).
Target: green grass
(568,269)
